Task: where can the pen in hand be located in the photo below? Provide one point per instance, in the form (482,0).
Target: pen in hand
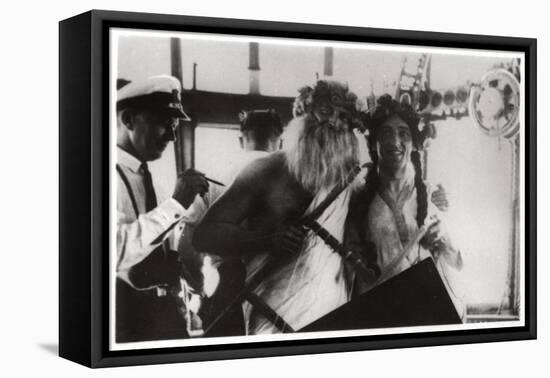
(213,181)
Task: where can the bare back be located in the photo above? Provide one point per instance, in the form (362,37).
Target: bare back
(263,198)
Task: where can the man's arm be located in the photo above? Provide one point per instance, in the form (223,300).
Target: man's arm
(137,238)
(437,238)
(438,241)
(220,231)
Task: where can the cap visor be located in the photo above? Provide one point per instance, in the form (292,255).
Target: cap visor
(178,113)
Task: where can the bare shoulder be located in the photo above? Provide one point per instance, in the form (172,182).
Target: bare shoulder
(248,189)
(262,169)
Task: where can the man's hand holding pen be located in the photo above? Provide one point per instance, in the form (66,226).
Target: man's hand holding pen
(189,184)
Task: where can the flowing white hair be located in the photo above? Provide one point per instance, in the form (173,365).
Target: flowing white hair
(319,156)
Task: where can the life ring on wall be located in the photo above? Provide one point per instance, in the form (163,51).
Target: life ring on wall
(494,104)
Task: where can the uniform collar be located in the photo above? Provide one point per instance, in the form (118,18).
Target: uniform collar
(128,160)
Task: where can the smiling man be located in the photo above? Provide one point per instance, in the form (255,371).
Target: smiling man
(392,214)
(148,112)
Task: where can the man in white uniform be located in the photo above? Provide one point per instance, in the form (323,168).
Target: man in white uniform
(148,112)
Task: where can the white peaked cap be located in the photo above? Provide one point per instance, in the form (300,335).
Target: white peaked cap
(160,92)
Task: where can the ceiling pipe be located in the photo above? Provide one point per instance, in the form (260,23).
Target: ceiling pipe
(254,67)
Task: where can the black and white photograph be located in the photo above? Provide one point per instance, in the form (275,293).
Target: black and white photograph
(274,189)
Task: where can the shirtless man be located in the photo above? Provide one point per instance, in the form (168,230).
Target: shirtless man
(218,280)
(256,217)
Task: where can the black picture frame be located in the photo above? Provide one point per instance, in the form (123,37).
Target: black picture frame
(84,187)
